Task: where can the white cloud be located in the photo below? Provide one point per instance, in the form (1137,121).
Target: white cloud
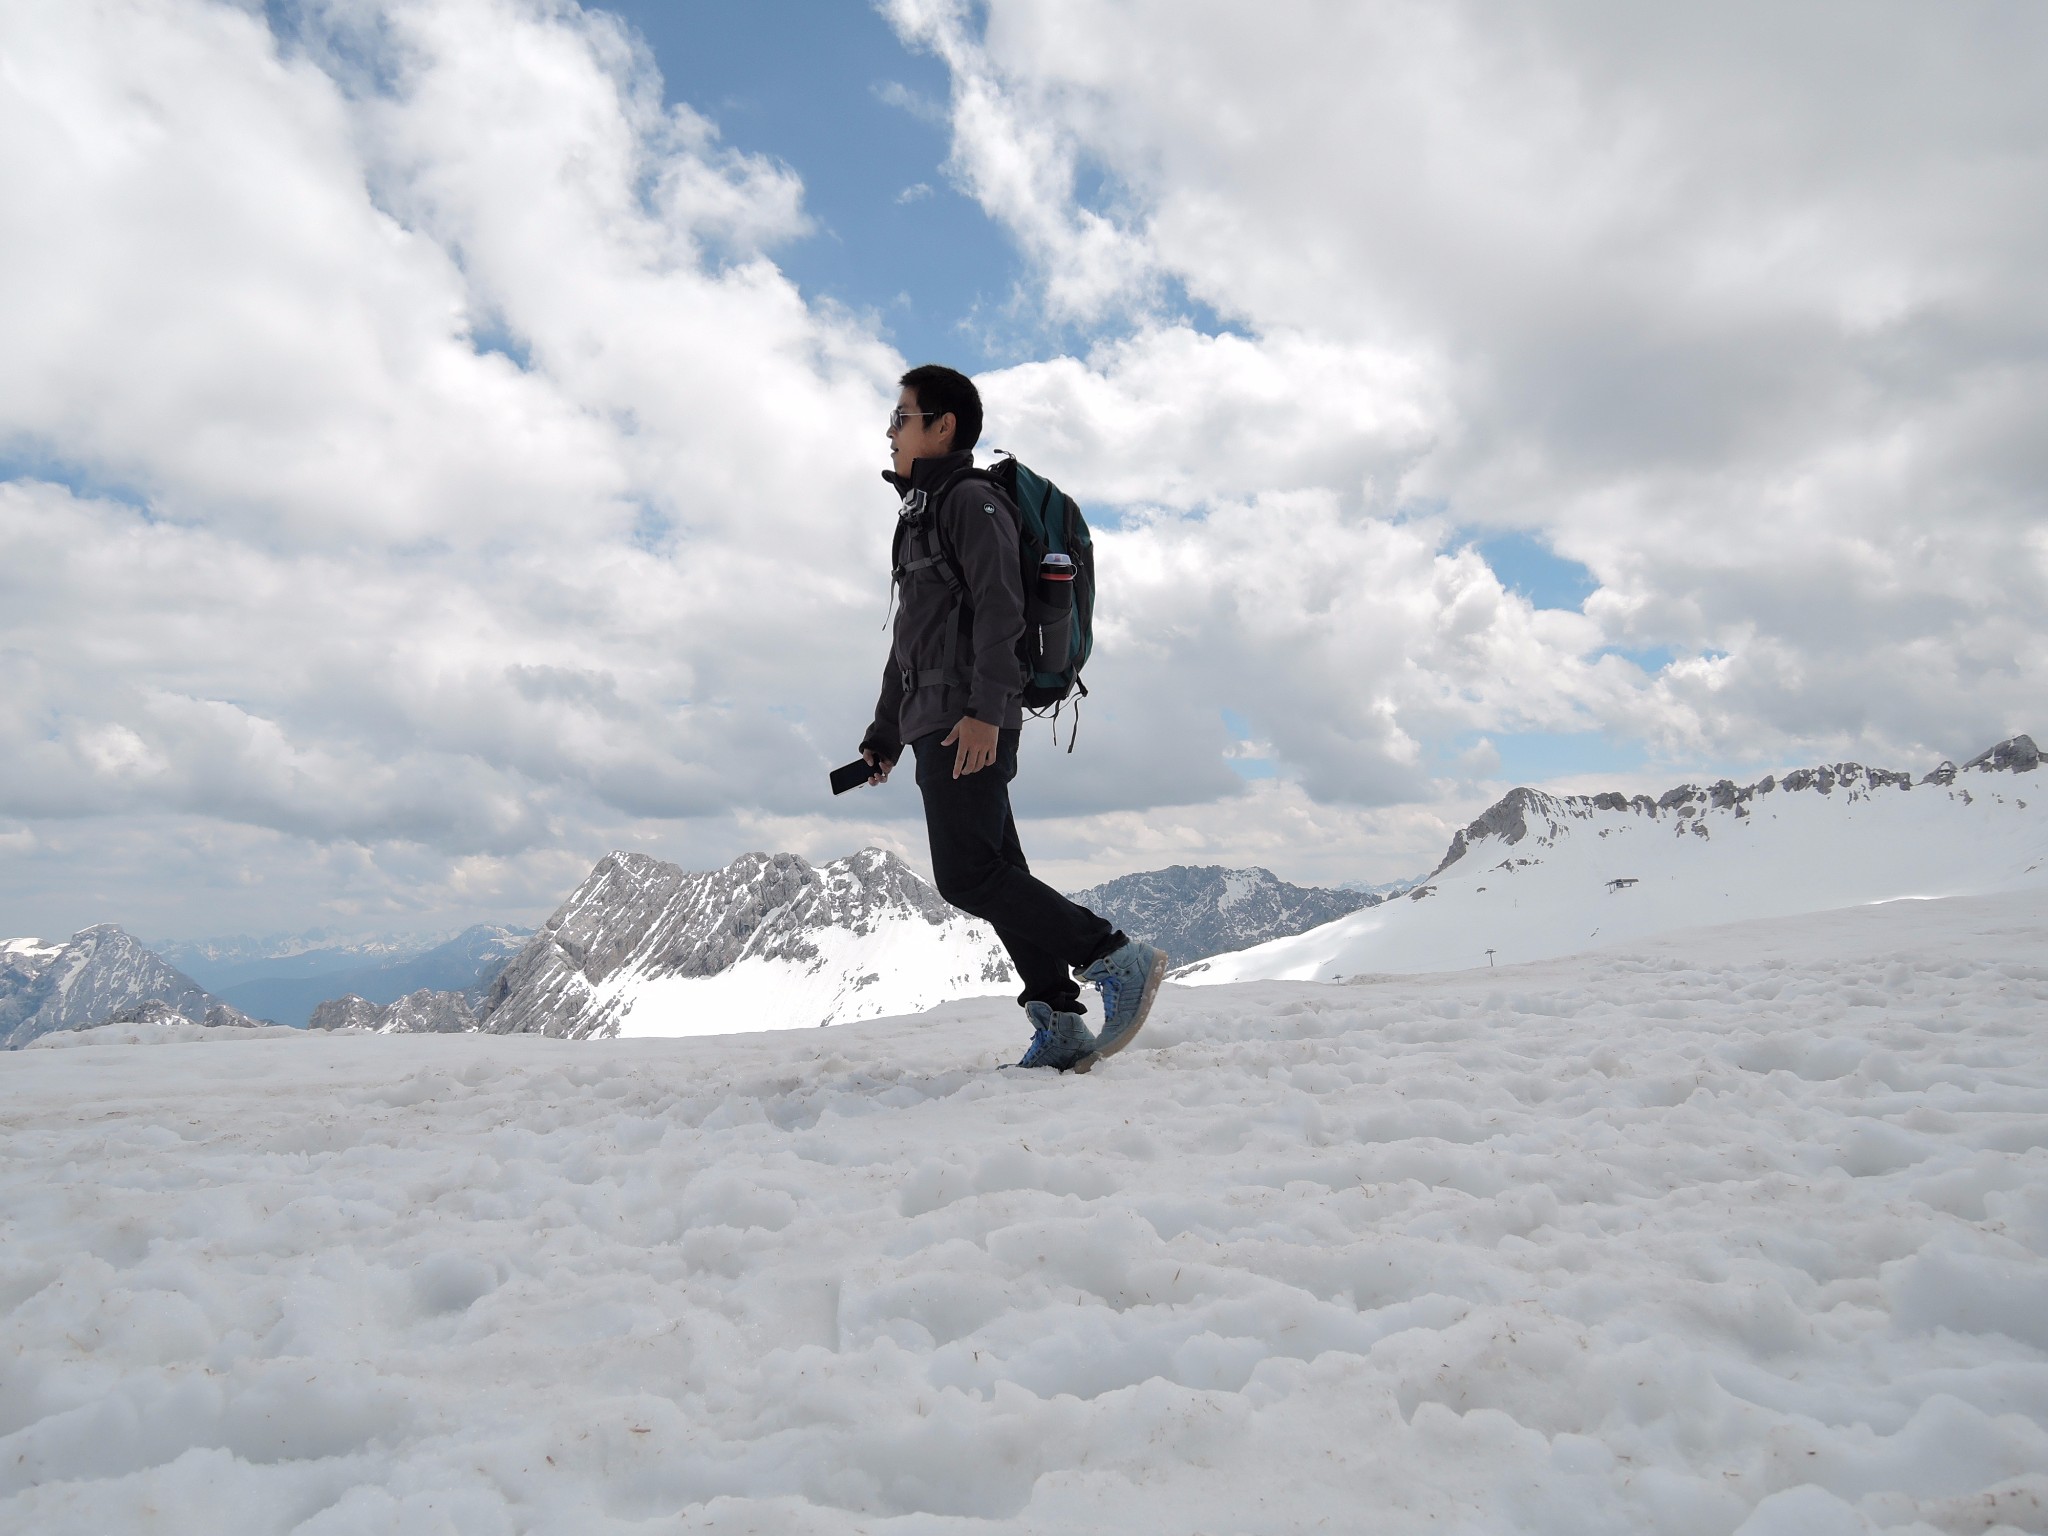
(430,479)
(1740,308)
(361,582)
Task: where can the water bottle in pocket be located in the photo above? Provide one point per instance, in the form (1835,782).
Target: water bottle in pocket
(1051,614)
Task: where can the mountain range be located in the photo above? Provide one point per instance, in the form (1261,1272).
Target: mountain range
(225,959)
(644,947)
(1542,875)
(289,987)
(97,972)
(1193,911)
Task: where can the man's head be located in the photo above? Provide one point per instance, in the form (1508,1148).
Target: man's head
(939,411)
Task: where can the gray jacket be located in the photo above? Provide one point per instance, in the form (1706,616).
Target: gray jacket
(952,654)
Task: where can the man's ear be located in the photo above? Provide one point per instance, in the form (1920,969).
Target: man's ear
(946,426)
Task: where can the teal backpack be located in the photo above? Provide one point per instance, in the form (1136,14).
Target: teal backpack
(1049,522)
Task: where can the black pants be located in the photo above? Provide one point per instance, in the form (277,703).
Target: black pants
(980,869)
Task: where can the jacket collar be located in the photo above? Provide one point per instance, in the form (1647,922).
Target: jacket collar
(928,475)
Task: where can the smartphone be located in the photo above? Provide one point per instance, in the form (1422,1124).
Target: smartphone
(852,776)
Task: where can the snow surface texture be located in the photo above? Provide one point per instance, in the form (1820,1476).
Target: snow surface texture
(1543,875)
(1194,911)
(1745,1230)
(642,947)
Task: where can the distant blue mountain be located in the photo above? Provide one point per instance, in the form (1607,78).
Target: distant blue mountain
(290,987)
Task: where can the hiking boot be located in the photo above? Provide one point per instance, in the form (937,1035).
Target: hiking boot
(1058,1040)
(1128,978)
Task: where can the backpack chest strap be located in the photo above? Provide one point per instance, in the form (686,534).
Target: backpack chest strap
(934,555)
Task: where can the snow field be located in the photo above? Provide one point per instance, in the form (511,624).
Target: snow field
(902,964)
(1744,1229)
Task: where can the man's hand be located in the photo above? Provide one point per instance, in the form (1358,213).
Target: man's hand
(977,747)
(881,765)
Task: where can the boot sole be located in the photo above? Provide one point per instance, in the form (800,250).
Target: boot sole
(1152,981)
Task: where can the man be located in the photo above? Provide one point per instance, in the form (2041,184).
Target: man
(951,690)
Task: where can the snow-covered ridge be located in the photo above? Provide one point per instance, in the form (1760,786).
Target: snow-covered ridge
(646,947)
(1539,875)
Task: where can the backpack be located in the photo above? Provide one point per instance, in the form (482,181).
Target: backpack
(1048,522)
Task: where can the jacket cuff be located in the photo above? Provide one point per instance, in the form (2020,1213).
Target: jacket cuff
(991,712)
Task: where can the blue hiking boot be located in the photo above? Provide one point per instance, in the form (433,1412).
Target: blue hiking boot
(1058,1040)
(1128,979)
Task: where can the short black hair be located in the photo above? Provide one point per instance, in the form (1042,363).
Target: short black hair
(939,390)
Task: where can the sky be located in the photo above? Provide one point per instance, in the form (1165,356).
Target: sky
(439,438)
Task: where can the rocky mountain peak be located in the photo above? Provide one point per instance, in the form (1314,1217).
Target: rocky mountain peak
(2017,755)
(1194,911)
(640,916)
(99,971)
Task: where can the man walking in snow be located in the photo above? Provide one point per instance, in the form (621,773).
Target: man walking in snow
(951,690)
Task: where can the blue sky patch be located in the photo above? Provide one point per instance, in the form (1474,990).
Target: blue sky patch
(22,463)
(831,92)
(1652,659)
(1535,757)
(1526,565)
(1246,767)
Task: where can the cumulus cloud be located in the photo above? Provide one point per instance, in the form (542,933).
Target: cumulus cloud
(414,444)
(1738,308)
(419,475)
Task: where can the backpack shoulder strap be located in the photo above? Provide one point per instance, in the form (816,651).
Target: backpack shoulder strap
(928,536)
(934,540)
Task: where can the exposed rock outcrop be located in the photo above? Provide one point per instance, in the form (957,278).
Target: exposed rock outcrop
(636,919)
(350,1012)
(1521,813)
(425,1012)
(1194,911)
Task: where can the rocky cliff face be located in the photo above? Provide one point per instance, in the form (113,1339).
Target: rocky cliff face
(1194,911)
(74,985)
(812,944)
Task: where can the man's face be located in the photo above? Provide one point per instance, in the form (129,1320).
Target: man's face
(920,437)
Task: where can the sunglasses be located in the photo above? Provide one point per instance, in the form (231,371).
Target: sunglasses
(899,416)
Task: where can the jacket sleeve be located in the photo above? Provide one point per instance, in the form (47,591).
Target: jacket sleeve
(883,734)
(982,530)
